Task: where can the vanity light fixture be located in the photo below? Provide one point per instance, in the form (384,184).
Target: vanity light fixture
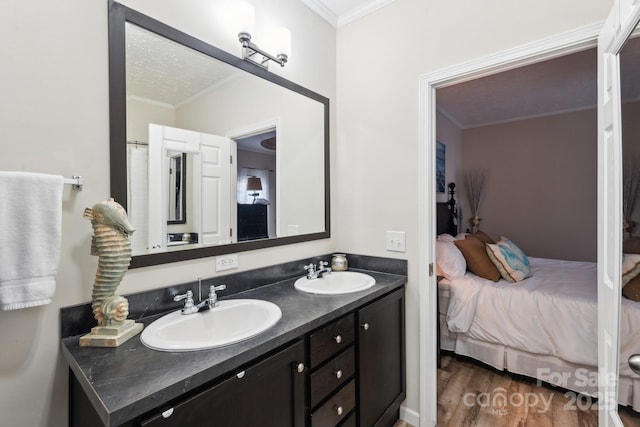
(281,39)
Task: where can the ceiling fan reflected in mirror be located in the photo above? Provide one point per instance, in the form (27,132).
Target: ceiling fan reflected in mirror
(269,143)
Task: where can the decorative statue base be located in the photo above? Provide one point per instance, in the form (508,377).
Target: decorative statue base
(111,231)
(110,336)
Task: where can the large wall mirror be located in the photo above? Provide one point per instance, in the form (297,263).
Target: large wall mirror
(210,154)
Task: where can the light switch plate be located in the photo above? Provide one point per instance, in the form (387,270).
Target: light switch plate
(396,241)
(226,262)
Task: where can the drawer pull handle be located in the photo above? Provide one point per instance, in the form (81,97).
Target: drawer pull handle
(339,410)
(300,367)
(338,373)
(365,326)
(167,413)
(240,374)
(338,339)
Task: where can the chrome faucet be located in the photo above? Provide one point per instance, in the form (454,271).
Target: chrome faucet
(323,268)
(213,297)
(316,272)
(190,307)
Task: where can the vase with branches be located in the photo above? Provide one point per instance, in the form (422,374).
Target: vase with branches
(630,192)
(474,182)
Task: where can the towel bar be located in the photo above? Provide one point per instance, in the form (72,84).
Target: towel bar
(76,181)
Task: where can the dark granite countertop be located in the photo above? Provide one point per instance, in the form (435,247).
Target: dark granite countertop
(130,380)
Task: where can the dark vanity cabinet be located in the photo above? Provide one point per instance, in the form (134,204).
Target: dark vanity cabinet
(348,372)
(381,360)
(269,393)
(357,367)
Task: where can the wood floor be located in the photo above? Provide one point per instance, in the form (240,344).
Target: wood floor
(470,394)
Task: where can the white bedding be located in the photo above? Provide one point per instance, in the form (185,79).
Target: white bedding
(554,312)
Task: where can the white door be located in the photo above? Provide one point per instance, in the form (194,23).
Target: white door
(621,21)
(215,196)
(210,192)
(163,140)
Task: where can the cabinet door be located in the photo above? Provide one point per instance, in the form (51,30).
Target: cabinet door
(381,360)
(269,393)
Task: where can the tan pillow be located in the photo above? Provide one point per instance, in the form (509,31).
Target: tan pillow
(478,261)
(631,246)
(483,237)
(632,289)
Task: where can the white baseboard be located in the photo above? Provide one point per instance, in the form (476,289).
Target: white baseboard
(409,416)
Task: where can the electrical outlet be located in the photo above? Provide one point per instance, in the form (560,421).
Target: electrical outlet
(226,262)
(396,241)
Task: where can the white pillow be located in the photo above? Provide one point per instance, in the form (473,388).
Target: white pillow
(630,267)
(450,262)
(444,237)
(461,236)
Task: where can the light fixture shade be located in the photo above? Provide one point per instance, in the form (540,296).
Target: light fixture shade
(281,41)
(254,184)
(242,17)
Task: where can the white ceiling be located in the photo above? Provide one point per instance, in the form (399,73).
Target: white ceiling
(564,84)
(341,12)
(173,75)
(560,85)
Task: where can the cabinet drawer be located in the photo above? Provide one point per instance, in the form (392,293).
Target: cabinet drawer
(269,393)
(329,340)
(337,408)
(333,374)
(350,421)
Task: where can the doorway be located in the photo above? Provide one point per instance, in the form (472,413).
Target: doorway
(563,44)
(256,184)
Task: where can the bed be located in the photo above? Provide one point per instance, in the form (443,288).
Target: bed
(543,326)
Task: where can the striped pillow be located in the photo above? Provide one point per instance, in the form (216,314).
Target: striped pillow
(511,262)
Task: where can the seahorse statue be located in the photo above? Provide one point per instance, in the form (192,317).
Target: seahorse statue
(110,242)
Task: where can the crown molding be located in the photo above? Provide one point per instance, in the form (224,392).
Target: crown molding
(351,15)
(358,12)
(319,7)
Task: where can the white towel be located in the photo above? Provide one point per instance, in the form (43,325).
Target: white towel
(30,231)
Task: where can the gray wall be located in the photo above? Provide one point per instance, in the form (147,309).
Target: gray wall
(541,190)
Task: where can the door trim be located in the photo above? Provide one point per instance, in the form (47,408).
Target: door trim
(552,47)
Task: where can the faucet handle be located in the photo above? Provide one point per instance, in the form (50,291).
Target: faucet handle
(213,297)
(310,268)
(188,296)
(189,306)
(322,264)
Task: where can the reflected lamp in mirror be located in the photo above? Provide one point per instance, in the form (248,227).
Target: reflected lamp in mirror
(254,184)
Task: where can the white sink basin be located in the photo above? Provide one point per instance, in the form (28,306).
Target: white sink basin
(231,322)
(336,283)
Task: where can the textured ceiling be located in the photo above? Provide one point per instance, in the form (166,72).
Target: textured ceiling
(163,71)
(564,84)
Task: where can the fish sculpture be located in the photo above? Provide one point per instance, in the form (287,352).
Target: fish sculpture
(110,242)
